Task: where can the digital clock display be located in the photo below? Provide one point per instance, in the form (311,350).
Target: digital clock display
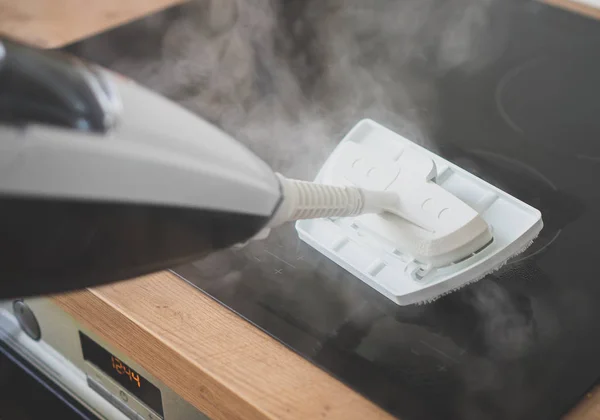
(124,375)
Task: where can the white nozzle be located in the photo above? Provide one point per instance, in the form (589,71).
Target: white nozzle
(310,200)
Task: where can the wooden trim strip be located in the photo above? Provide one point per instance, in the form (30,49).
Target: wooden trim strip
(576,7)
(56,23)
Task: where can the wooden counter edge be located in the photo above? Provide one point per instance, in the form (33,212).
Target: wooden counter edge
(55,24)
(575,7)
(588,408)
(218,362)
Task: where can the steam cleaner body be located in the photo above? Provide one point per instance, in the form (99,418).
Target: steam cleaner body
(103,180)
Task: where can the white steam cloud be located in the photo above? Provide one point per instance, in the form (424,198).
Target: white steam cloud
(289,78)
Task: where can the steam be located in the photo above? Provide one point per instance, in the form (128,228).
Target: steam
(509,327)
(290,78)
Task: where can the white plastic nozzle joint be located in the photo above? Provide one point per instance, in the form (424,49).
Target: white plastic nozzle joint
(310,200)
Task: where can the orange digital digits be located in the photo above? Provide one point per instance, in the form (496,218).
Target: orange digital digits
(118,365)
(121,368)
(136,378)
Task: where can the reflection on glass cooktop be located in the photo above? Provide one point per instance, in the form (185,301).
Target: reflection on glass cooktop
(551,102)
(521,343)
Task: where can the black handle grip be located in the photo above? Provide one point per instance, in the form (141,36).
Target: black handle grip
(50,87)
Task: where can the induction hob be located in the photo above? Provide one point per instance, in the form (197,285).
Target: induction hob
(521,344)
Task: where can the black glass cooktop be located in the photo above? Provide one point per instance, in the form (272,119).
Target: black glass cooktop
(524,342)
(521,110)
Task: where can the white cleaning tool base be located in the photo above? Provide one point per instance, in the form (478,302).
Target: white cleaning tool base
(399,256)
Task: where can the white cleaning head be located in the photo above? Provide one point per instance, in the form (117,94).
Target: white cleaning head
(446,229)
(426,222)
